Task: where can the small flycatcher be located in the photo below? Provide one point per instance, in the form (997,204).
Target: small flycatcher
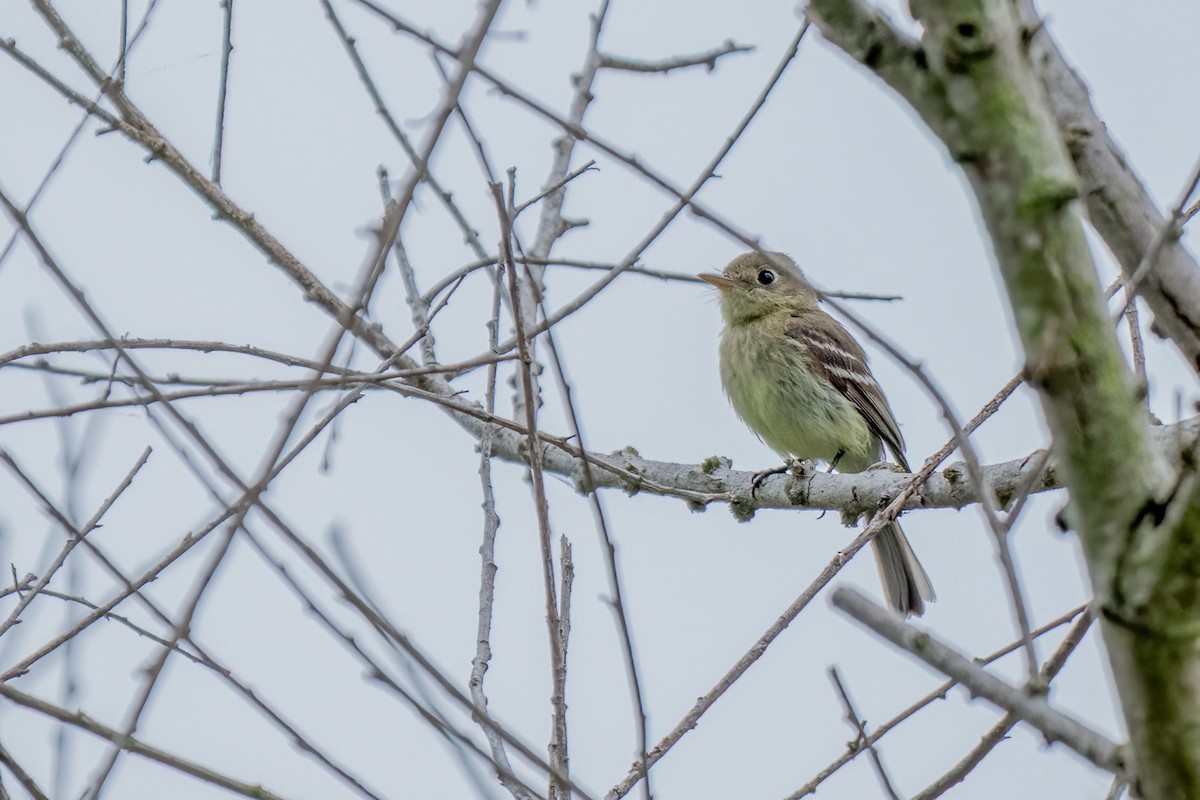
(801,382)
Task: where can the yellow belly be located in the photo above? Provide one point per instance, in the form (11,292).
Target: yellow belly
(795,412)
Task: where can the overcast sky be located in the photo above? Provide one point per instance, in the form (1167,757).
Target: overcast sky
(834,171)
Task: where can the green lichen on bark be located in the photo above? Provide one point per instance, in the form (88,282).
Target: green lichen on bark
(1153,638)
(1023,179)
(970,80)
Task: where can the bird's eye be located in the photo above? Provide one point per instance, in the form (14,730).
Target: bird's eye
(766,277)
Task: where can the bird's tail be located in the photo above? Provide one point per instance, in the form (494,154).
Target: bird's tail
(904,579)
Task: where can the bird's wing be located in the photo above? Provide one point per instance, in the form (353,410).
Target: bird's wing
(835,355)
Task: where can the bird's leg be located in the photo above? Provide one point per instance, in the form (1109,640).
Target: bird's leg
(793,465)
(832,464)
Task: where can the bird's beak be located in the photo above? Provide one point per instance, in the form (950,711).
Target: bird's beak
(719,281)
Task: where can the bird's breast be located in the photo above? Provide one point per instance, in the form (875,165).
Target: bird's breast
(792,408)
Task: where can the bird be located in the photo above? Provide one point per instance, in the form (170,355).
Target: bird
(802,383)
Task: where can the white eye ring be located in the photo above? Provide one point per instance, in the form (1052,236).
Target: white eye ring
(766,277)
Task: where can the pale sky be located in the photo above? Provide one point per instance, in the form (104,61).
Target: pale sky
(833,171)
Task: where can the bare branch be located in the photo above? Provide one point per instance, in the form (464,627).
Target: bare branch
(346,379)
(609,550)
(1000,730)
(23,777)
(139,130)
(558,739)
(886,515)
(549,190)
(987,501)
(487,575)
(83,722)
(1135,340)
(939,693)
(470,235)
(226,52)
(708,60)
(1170,232)
(128,43)
(860,732)
(84,346)
(1118,204)
(39,586)
(1054,725)
(685,197)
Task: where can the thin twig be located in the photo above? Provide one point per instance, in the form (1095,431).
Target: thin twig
(685,198)
(470,235)
(379,675)
(85,723)
(128,43)
(361,380)
(1170,231)
(987,498)
(152,674)
(1040,460)
(124,40)
(1135,341)
(24,778)
(756,651)
(937,694)
(554,187)
(108,377)
(602,266)
(1000,730)
(1054,725)
(609,549)
(708,60)
(487,571)
(89,345)
(226,52)
(40,585)
(358,578)
(126,622)
(558,745)
(860,732)
(417,305)
(1192,211)
(552,224)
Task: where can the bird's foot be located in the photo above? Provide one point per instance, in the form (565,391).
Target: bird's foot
(797,468)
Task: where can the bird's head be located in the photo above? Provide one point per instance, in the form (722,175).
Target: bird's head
(756,284)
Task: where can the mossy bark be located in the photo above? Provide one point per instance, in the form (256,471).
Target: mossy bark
(970,80)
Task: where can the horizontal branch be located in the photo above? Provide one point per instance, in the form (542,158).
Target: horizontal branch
(711,480)
(89,345)
(853,494)
(707,59)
